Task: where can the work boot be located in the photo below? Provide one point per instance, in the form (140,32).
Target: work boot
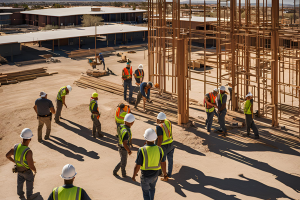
(125,176)
(46,138)
(115,173)
(94,135)
(256,137)
(40,141)
(100,135)
(225,134)
(33,196)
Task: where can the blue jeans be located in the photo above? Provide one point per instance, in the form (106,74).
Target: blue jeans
(210,117)
(103,64)
(169,152)
(129,85)
(222,120)
(148,187)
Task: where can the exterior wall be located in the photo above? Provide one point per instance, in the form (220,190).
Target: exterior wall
(17,19)
(10,49)
(5,19)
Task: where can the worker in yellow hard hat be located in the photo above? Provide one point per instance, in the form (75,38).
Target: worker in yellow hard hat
(95,115)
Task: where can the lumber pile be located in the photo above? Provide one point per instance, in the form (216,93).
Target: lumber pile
(96,72)
(87,52)
(15,77)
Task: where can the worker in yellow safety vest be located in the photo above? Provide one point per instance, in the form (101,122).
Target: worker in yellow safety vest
(61,100)
(150,160)
(248,111)
(125,137)
(24,165)
(210,105)
(95,115)
(165,139)
(68,191)
(121,111)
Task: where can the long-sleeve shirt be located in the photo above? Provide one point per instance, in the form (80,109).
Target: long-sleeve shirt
(142,89)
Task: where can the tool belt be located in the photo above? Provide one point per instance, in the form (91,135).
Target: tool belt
(16,169)
(45,115)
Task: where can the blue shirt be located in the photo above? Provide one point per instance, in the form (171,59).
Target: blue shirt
(84,195)
(142,89)
(101,56)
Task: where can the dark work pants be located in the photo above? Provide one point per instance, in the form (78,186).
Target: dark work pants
(103,64)
(250,124)
(138,98)
(222,120)
(29,178)
(96,125)
(122,164)
(210,117)
(42,121)
(169,155)
(59,106)
(148,186)
(129,85)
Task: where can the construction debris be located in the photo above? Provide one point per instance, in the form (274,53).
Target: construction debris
(96,72)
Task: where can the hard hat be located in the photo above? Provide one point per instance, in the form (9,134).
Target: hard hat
(140,66)
(43,94)
(129,118)
(150,83)
(249,95)
(68,172)
(216,90)
(222,88)
(150,135)
(26,133)
(69,88)
(121,105)
(95,94)
(161,116)
(156,85)
(128,63)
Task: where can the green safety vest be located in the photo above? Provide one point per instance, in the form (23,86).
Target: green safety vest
(61,193)
(122,114)
(247,107)
(167,132)
(212,101)
(122,130)
(20,152)
(151,157)
(221,97)
(92,105)
(62,92)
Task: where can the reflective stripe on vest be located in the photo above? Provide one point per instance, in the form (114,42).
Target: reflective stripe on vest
(151,157)
(127,73)
(122,132)
(212,100)
(221,97)
(140,76)
(61,193)
(167,132)
(60,93)
(120,114)
(19,157)
(92,105)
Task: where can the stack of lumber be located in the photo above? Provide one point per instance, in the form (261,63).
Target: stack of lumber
(88,52)
(96,72)
(15,77)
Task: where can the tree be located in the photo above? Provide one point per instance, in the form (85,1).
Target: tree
(134,6)
(90,20)
(15,5)
(118,4)
(25,6)
(56,5)
(186,6)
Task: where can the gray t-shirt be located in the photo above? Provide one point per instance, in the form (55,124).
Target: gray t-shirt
(43,106)
(224,99)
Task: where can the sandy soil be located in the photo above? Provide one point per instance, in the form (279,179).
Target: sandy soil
(206,166)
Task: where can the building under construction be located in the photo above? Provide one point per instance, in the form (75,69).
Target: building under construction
(258,53)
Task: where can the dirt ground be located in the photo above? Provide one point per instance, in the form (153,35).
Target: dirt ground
(206,166)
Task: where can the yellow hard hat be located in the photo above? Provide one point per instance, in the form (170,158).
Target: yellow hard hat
(95,94)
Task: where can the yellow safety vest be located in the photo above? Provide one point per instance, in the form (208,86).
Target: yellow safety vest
(20,152)
(61,193)
(247,104)
(61,91)
(212,100)
(120,114)
(122,130)
(151,157)
(167,132)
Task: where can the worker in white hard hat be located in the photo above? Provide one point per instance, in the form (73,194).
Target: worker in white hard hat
(139,75)
(61,100)
(125,137)
(24,165)
(95,115)
(144,93)
(165,139)
(210,105)
(150,159)
(248,111)
(44,109)
(221,102)
(68,191)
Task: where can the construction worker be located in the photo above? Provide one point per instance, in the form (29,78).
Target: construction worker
(221,101)
(210,105)
(248,110)
(68,191)
(61,100)
(139,75)
(144,90)
(125,137)
(95,115)
(150,159)
(44,109)
(121,111)
(101,58)
(165,139)
(24,165)
(127,77)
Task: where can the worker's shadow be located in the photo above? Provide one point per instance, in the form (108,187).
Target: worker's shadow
(128,180)
(196,181)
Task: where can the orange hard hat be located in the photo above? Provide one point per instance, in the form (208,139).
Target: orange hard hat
(156,85)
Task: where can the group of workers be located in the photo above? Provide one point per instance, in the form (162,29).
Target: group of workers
(215,104)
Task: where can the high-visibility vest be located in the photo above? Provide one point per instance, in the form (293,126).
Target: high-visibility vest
(61,193)
(92,105)
(151,157)
(167,132)
(122,130)
(60,92)
(140,75)
(126,73)
(120,114)
(248,111)
(20,152)
(212,100)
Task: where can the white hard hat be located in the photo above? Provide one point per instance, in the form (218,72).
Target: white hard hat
(222,88)
(150,135)
(26,133)
(140,66)
(69,88)
(43,94)
(129,118)
(161,116)
(249,94)
(216,90)
(68,172)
